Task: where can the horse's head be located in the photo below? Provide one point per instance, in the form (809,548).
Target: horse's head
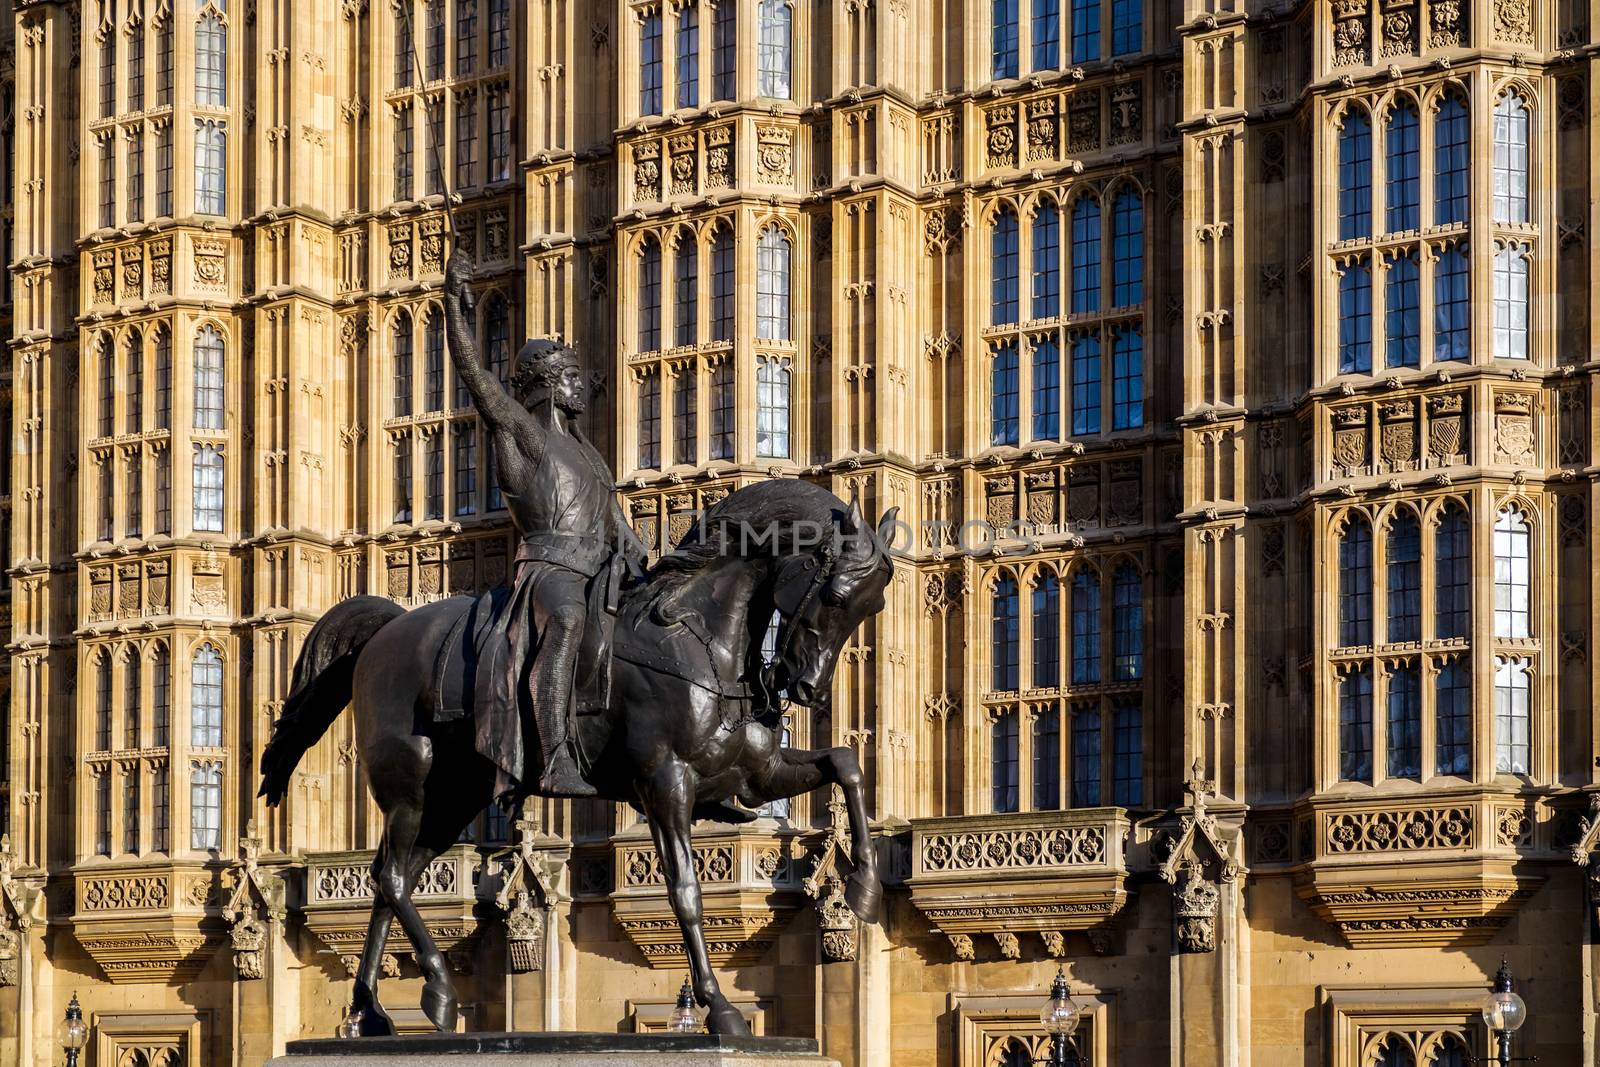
(821,598)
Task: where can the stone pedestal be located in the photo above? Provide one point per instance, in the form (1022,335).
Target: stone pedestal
(557,1050)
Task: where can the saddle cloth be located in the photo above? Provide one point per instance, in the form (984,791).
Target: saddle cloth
(474,654)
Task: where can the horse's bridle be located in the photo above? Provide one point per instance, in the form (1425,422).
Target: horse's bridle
(819,579)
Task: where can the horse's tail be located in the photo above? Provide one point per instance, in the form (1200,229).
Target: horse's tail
(323,676)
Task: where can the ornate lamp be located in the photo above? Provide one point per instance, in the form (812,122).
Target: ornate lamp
(74,1032)
(1060,1018)
(685,1019)
(1504,1012)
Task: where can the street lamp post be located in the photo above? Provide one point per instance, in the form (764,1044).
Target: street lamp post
(74,1032)
(1504,1012)
(1060,1019)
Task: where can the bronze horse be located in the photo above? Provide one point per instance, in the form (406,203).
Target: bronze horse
(684,731)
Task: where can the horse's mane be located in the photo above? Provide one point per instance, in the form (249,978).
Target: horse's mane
(781,505)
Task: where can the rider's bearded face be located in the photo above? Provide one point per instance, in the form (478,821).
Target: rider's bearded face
(568,391)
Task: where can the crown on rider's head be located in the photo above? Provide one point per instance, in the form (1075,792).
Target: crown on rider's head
(541,362)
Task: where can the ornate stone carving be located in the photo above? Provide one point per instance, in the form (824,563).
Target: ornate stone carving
(400,251)
(1445,17)
(1350,439)
(774,154)
(210,264)
(1042,139)
(1399,28)
(161,267)
(1001,139)
(18,900)
(132,273)
(682,148)
(1195,911)
(105,277)
(1350,44)
(1445,439)
(834,917)
(529,885)
(1586,854)
(1513,428)
(1083,121)
(1127,114)
(1397,436)
(1401,830)
(1018,849)
(430,246)
(1513,21)
(719,157)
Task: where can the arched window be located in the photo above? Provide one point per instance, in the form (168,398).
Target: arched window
(1003,17)
(1046,632)
(1452,575)
(1511,303)
(1451,1053)
(1085,627)
(209,379)
(1085,384)
(211,61)
(686,289)
(210,168)
(108,75)
(1452,323)
(1355,725)
(722,280)
(205,699)
(1452,703)
(1085,256)
(650,66)
(772,409)
(102,702)
(433,356)
(1452,148)
(160,697)
(1355,584)
(1512,580)
(205,807)
(1046,263)
(208,488)
(1003,392)
(1127,624)
(1127,378)
(403,342)
(687,72)
(132,700)
(650,420)
(1403,312)
(1355,318)
(1402,193)
(1087,730)
(1513,715)
(1046,742)
(1045,19)
(466,37)
(1085,31)
(650,296)
(1404,562)
(1004,636)
(1046,389)
(1511,126)
(133,388)
(773,48)
(1127,249)
(1395,1053)
(1127,753)
(166,42)
(1003,760)
(773,255)
(1003,269)
(1405,722)
(108,385)
(1355,177)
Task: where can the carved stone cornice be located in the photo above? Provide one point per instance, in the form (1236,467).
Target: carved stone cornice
(149,922)
(750,887)
(1042,873)
(1426,870)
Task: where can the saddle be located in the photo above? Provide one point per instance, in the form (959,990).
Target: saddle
(478,643)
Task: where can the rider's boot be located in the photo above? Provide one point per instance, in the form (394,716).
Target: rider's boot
(560,776)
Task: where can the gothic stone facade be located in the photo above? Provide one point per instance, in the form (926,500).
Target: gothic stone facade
(1231,360)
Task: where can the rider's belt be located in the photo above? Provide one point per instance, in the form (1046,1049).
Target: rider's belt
(586,555)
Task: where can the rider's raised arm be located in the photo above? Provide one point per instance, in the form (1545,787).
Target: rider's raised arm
(498,408)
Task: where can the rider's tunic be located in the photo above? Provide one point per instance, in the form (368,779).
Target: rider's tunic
(562,514)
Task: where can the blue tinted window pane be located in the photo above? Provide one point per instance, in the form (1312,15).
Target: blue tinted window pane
(1403,314)
(1452,328)
(1085,31)
(1355,584)
(1047,760)
(1127,249)
(1085,628)
(1003,267)
(1405,723)
(1452,580)
(1003,761)
(1403,170)
(1452,143)
(1355,320)
(1004,412)
(1004,15)
(1047,633)
(1086,385)
(1046,390)
(1046,34)
(1127,754)
(1355,726)
(1452,702)
(1127,625)
(1355,177)
(1047,264)
(1405,579)
(650,65)
(1127,26)
(1127,380)
(1004,649)
(1086,757)
(1085,257)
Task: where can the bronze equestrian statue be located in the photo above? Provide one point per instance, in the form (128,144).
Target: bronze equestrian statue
(653,692)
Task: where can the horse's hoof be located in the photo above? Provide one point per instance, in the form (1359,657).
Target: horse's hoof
(439,1005)
(375,1022)
(864,894)
(727,1021)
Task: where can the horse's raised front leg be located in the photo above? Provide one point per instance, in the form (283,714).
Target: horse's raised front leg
(668,801)
(798,770)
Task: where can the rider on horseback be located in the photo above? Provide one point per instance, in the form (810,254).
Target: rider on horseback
(559,491)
